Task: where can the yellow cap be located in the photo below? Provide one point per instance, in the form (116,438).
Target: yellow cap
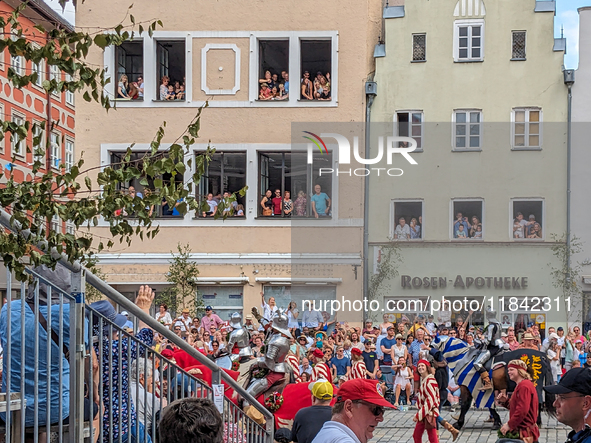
(321,389)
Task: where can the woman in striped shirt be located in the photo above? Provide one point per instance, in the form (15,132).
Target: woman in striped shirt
(359,369)
(428,404)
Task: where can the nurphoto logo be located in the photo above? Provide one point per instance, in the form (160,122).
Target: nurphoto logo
(394,145)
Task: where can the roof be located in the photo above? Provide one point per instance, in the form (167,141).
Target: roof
(40,12)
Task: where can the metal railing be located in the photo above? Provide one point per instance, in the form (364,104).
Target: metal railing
(90,370)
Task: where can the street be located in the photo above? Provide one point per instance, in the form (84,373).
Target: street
(398,427)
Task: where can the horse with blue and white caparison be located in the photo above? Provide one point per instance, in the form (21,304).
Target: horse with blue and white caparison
(460,359)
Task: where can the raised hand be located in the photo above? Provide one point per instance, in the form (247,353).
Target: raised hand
(145,298)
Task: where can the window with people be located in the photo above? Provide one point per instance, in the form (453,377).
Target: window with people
(527,220)
(136,189)
(290,187)
(273,70)
(467,222)
(129,61)
(408,220)
(316,67)
(224,177)
(170,69)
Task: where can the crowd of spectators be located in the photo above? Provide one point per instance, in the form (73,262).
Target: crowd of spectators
(526,229)
(134,90)
(274,205)
(274,88)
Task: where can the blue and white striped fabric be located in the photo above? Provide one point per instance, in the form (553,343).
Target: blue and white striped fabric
(453,351)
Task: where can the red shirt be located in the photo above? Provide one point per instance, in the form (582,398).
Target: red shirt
(523,409)
(277,205)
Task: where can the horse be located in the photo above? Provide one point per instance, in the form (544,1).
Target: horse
(460,359)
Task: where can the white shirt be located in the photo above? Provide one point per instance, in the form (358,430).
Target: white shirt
(308,370)
(335,432)
(185,324)
(144,410)
(312,319)
(402,232)
(166,318)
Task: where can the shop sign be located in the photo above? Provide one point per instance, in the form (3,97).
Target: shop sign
(410,282)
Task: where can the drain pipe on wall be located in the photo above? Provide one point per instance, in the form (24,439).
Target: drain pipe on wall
(371,88)
(569,80)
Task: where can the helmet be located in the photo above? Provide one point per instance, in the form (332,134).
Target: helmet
(280,321)
(236,320)
(490,313)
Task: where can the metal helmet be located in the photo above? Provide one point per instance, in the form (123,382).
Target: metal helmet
(280,322)
(236,320)
(491,313)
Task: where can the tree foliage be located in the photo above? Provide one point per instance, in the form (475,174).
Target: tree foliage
(389,259)
(567,275)
(75,195)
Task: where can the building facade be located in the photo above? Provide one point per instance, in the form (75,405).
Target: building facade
(478,86)
(221,53)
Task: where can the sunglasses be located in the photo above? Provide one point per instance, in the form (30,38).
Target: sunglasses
(374,409)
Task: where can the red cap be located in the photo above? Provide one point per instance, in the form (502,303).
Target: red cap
(318,353)
(167,353)
(425,362)
(356,351)
(363,389)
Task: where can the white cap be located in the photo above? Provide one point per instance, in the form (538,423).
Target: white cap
(125,313)
(554,335)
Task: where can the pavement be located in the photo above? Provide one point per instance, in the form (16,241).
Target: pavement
(398,427)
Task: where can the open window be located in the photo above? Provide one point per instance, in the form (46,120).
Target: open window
(129,62)
(310,192)
(410,124)
(408,220)
(170,69)
(467,219)
(527,220)
(273,69)
(226,172)
(316,67)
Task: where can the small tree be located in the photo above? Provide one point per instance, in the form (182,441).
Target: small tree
(567,275)
(183,290)
(92,294)
(389,260)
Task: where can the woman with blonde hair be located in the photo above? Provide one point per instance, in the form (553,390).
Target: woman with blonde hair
(122,87)
(523,405)
(359,370)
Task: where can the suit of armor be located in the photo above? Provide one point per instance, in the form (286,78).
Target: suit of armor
(491,344)
(241,339)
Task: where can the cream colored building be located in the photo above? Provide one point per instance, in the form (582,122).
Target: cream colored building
(478,85)
(221,49)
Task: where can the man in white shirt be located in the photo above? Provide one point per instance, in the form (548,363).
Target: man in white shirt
(358,410)
(312,318)
(305,366)
(184,321)
(402,231)
(146,403)
(546,342)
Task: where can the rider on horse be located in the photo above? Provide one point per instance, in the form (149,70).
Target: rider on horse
(490,345)
(239,341)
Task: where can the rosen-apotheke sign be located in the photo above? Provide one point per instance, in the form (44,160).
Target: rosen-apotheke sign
(409,282)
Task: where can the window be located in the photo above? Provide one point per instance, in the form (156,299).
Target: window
(225,300)
(69,154)
(407,223)
(290,172)
(70,228)
(160,211)
(226,172)
(273,66)
(38,143)
(18,144)
(410,124)
(469,40)
(17,61)
(467,130)
(316,60)
(419,47)
(467,219)
(38,69)
(56,150)
(299,293)
(55,74)
(527,220)
(518,45)
(129,61)
(56,224)
(527,128)
(170,65)
(69,94)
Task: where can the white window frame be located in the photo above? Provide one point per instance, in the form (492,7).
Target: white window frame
(422,125)
(22,144)
(456,43)
(393,222)
(18,62)
(294,68)
(55,73)
(512,39)
(55,150)
(511,219)
(2,117)
(39,68)
(452,218)
(56,224)
(35,133)
(69,153)
(467,135)
(412,54)
(69,94)
(70,228)
(527,110)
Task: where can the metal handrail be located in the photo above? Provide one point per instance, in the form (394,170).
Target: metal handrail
(121,300)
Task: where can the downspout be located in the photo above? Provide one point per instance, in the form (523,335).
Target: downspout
(370,93)
(48,117)
(569,80)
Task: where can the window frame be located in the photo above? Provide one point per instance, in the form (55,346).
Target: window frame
(41,144)
(394,222)
(513,58)
(52,146)
(412,58)
(55,75)
(22,63)
(69,164)
(155,69)
(527,123)
(422,125)
(511,219)
(452,218)
(456,40)
(56,224)
(467,134)
(22,143)
(69,94)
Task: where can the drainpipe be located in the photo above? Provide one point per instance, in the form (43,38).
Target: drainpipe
(370,93)
(569,80)
(48,117)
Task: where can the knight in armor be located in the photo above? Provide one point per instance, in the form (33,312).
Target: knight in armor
(277,349)
(490,345)
(239,341)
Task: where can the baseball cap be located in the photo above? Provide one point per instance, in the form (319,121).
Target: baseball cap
(321,389)
(554,335)
(560,328)
(575,380)
(125,313)
(532,216)
(390,327)
(369,391)
(208,308)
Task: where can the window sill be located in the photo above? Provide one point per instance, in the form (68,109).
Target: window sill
(468,61)
(413,240)
(128,99)
(523,148)
(230,217)
(518,59)
(469,239)
(261,217)
(418,61)
(467,150)
(527,240)
(259,100)
(314,100)
(164,101)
